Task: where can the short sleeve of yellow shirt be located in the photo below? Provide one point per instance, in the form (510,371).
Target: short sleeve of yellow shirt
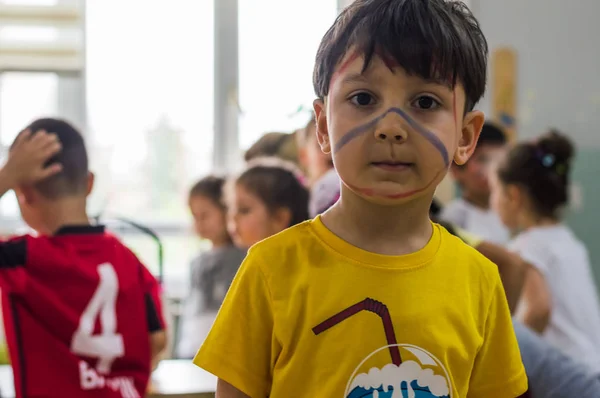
(309,315)
(241,347)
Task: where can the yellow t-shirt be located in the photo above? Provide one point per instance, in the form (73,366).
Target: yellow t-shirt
(309,315)
(470,239)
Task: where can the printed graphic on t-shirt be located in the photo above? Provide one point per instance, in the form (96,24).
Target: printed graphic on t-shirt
(411,372)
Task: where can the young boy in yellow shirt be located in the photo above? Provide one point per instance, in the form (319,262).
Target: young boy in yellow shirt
(372,299)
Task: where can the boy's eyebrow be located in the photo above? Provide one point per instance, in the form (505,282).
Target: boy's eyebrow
(440,82)
(355,78)
(362,78)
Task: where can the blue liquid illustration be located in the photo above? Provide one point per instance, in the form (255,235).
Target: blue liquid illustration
(415,391)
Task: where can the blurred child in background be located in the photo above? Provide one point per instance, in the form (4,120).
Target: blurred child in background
(82,314)
(511,267)
(530,188)
(267,198)
(212,271)
(274,144)
(322,178)
(471,211)
(551,373)
(312,160)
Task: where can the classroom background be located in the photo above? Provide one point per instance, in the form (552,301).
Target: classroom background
(169,91)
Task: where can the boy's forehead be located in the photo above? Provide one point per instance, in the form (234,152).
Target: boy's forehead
(353,63)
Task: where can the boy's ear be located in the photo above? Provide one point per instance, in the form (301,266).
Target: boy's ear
(321,124)
(472,125)
(25,195)
(90,182)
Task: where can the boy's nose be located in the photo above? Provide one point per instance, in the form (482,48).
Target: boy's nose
(388,136)
(390,133)
(391,128)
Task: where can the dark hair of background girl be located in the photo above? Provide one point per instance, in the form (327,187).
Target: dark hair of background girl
(542,168)
(277,187)
(211,188)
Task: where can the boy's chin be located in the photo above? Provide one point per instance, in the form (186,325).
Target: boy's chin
(389,196)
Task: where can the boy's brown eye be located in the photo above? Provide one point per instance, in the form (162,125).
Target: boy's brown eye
(426,102)
(362,99)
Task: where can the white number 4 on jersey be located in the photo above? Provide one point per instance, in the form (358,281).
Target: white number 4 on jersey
(108,345)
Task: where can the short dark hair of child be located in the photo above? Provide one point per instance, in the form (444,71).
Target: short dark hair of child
(491,134)
(73,178)
(541,168)
(433,39)
(210,187)
(278,186)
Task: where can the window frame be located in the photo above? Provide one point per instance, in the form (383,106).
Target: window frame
(227,156)
(72,84)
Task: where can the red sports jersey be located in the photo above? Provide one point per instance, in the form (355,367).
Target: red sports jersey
(78,311)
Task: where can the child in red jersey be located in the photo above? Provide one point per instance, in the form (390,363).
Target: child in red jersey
(82,314)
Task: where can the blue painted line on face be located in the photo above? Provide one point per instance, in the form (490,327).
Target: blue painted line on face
(365,128)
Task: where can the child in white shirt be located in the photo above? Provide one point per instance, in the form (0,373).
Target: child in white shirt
(471,211)
(560,301)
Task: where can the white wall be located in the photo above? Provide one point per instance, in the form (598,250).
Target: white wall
(343,4)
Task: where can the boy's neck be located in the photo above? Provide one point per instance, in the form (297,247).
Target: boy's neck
(389,230)
(64,212)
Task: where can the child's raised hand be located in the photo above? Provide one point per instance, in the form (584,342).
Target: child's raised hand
(27,157)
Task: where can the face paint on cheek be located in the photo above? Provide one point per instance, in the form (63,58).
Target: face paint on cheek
(365,128)
(357,132)
(387,60)
(425,133)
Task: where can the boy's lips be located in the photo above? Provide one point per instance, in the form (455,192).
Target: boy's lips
(391,165)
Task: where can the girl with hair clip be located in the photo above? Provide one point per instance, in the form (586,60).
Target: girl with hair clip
(213,270)
(268,197)
(551,374)
(559,299)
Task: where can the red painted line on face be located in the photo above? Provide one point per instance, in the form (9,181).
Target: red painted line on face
(355,55)
(387,60)
(454,111)
(402,195)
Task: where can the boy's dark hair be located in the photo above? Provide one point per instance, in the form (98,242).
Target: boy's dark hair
(491,134)
(542,169)
(73,178)
(278,186)
(433,39)
(210,187)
